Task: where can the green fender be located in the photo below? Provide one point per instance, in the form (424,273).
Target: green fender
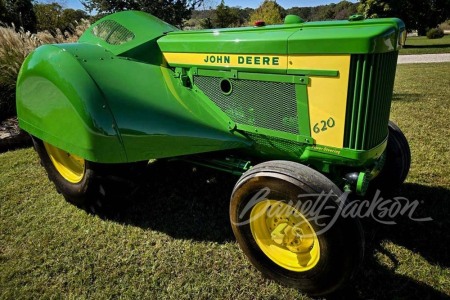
(111,109)
(58,102)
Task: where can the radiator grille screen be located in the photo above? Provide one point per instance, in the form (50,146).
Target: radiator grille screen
(369,99)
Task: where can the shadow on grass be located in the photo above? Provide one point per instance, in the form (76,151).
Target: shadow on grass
(426,46)
(407,97)
(192,203)
(183,201)
(430,240)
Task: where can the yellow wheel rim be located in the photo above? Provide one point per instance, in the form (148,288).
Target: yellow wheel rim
(284,235)
(69,166)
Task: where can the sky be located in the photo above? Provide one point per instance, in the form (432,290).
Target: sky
(243,3)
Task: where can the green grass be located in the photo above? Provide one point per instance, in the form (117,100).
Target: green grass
(423,45)
(174,240)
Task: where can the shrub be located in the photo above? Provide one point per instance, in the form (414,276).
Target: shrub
(15,45)
(435,33)
(445,25)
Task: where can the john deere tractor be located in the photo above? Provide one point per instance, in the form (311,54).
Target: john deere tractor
(300,111)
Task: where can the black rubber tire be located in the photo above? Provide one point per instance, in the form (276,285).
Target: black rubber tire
(397,164)
(341,246)
(100,182)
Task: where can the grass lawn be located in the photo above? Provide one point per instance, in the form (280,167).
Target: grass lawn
(423,45)
(174,240)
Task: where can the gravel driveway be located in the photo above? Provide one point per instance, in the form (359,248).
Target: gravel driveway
(423,58)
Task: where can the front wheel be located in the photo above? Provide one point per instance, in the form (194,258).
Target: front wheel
(286,218)
(84,183)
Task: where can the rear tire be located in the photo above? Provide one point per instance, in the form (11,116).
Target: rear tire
(87,184)
(279,234)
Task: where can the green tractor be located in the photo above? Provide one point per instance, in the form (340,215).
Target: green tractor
(300,111)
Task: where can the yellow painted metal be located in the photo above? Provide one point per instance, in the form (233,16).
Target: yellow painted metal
(71,167)
(284,235)
(226,60)
(327,96)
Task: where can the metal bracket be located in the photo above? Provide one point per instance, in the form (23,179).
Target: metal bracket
(183,76)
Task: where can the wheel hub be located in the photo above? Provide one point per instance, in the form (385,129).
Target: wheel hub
(284,235)
(287,231)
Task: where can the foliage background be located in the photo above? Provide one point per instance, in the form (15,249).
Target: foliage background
(420,15)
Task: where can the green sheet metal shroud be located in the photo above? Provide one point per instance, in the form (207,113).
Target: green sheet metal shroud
(112,98)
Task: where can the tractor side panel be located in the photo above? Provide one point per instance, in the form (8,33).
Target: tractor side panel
(154,114)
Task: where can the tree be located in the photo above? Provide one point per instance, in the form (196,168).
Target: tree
(174,12)
(225,16)
(326,12)
(3,11)
(269,11)
(419,15)
(345,9)
(206,23)
(48,16)
(302,12)
(19,12)
(340,11)
(52,16)
(243,14)
(70,16)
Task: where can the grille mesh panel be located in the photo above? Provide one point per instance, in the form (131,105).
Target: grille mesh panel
(270,105)
(274,145)
(369,99)
(112,32)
